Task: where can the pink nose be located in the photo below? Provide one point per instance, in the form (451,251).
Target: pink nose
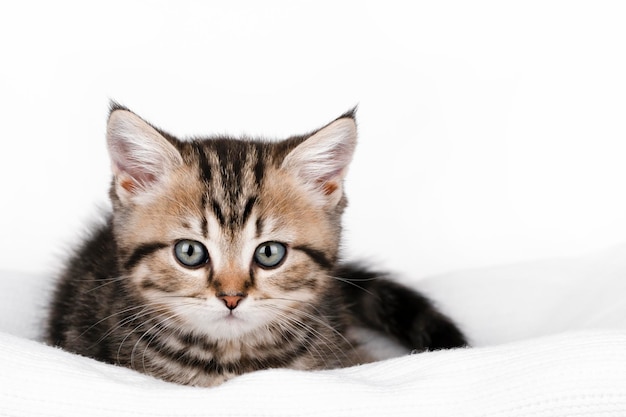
(231,301)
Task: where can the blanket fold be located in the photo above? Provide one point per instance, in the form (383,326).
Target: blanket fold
(578,373)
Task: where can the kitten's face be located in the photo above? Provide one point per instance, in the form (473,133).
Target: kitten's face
(226,237)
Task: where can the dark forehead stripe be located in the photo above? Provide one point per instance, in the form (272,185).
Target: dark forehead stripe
(238,156)
(205,223)
(141,252)
(248,209)
(205,167)
(232,171)
(259,166)
(217,210)
(231,155)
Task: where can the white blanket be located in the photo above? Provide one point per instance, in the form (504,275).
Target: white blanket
(549,340)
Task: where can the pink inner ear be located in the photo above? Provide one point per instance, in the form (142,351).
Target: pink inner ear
(128,184)
(328,184)
(329,187)
(132,173)
(138,174)
(321,160)
(141,157)
(132,183)
(330,180)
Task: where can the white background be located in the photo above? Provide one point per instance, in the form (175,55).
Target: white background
(490,132)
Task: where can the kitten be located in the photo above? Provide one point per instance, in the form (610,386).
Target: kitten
(221,257)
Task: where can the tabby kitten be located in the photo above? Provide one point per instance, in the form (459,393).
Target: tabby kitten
(221,257)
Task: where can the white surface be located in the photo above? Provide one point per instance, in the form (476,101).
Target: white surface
(515,302)
(490,132)
(566,375)
(549,340)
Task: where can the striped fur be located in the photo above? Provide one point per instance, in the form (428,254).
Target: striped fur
(125,299)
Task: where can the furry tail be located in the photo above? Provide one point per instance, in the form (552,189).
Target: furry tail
(397,311)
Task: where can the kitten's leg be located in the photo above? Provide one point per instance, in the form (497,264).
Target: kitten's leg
(398,311)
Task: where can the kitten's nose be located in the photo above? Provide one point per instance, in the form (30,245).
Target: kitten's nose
(231,301)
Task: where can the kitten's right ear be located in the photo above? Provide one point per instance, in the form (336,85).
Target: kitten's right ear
(321,161)
(140,156)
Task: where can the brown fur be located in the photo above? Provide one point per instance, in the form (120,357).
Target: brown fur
(125,298)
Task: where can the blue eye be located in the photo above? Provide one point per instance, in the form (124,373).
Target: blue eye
(191,253)
(270,254)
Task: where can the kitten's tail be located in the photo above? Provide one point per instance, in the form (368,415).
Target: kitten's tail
(396,310)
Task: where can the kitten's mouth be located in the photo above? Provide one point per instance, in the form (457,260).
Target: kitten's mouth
(232,316)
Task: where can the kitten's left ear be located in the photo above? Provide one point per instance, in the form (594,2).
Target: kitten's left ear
(321,161)
(141,158)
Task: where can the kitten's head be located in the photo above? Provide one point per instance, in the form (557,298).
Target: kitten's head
(227,236)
